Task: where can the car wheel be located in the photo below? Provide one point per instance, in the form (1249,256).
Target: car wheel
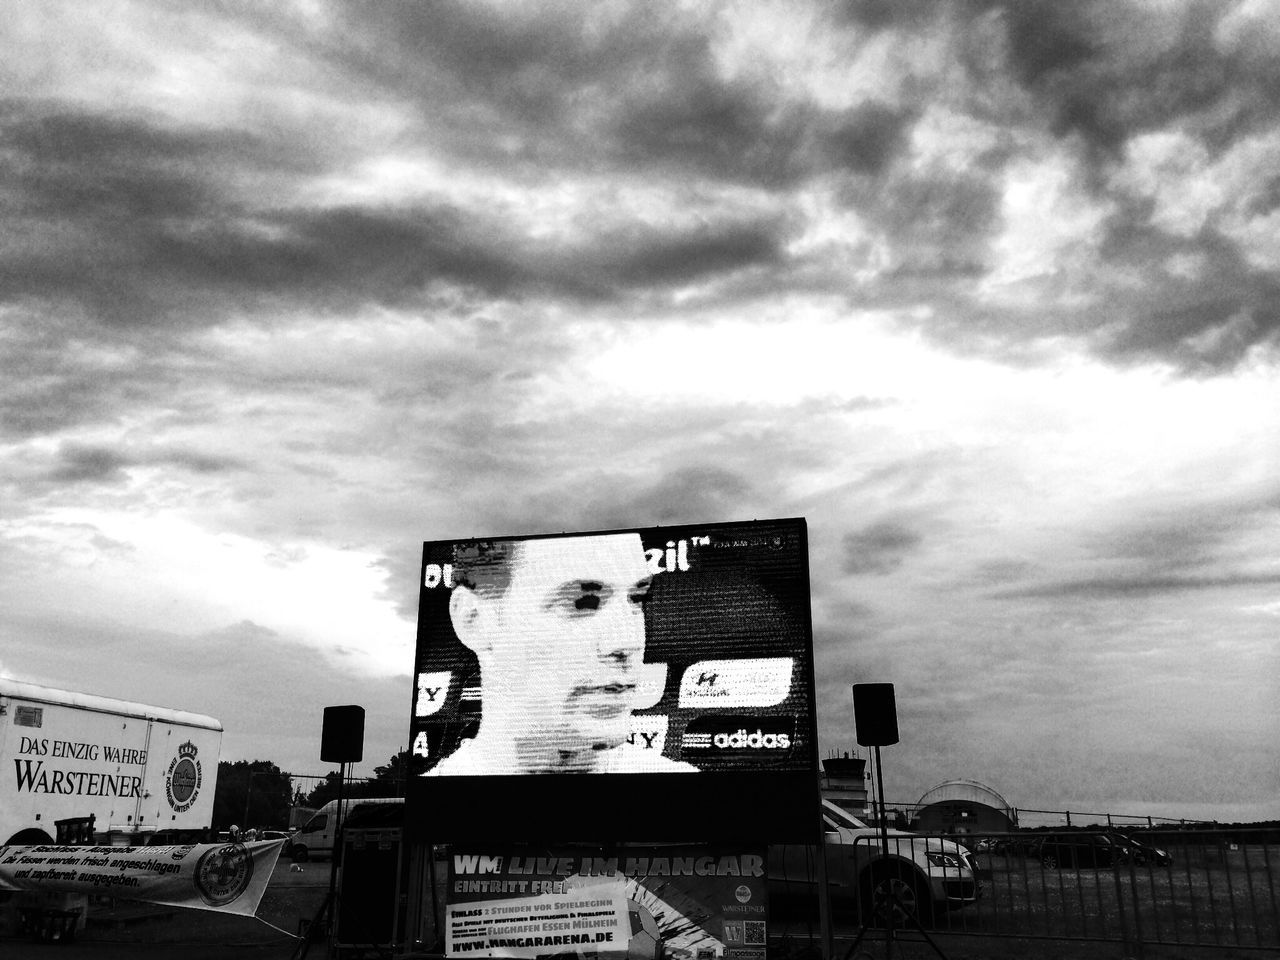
(1048,861)
(895,892)
(298,854)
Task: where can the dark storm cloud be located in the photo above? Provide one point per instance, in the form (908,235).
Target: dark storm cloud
(60,370)
(88,463)
(44,388)
(1097,75)
(1139,310)
(340,257)
(879,548)
(139,224)
(729,131)
(863,139)
(615,263)
(78,463)
(633,90)
(881,14)
(938,224)
(107,168)
(1107,71)
(519,62)
(1205,322)
(120,214)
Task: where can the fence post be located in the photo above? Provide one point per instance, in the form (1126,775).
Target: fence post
(1125,939)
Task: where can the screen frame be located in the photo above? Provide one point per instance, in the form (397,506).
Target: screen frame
(731,804)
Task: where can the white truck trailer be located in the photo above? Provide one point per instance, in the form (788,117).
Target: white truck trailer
(133,768)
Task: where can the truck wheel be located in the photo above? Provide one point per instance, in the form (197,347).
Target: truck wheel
(298,854)
(895,892)
(32,836)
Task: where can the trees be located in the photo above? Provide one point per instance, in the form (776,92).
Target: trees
(252,793)
(323,792)
(388,780)
(257,793)
(394,773)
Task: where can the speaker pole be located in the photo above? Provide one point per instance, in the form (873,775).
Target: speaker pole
(337,842)
(341,742)
(884,849)
(875,712)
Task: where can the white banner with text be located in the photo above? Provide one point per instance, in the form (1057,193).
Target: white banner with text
(227,877)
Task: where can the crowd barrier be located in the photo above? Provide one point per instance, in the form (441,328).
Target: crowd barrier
(1185,888)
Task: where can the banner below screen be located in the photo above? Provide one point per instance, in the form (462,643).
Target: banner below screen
(227,877)
(685,902)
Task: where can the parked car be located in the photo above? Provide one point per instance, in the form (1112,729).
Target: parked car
(1079,850)
(925,874)
(1013,845)
(1141,852)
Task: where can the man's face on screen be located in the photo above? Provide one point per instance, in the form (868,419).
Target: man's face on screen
(567,639)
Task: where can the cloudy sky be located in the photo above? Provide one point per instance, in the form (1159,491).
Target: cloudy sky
(989,292)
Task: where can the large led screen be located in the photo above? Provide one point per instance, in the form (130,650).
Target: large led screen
(621,685)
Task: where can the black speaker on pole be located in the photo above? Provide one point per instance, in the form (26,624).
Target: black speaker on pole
(875,714)
(342,740)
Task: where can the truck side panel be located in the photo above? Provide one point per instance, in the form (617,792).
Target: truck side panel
(129,772)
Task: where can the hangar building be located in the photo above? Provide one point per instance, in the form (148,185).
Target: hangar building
(963,806)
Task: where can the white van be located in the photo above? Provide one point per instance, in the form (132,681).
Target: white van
(315,837)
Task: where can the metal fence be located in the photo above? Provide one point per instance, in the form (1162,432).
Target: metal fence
(1027,818)
(1183,888)
(906,815)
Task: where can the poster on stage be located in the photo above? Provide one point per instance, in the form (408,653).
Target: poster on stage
(683,902)
(226,877)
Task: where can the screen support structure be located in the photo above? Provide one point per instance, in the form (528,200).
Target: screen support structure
(885,901)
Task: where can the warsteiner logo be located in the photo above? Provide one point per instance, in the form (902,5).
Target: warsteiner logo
(223,873)
(182,779)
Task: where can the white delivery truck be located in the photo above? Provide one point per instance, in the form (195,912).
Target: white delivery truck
(132,767)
